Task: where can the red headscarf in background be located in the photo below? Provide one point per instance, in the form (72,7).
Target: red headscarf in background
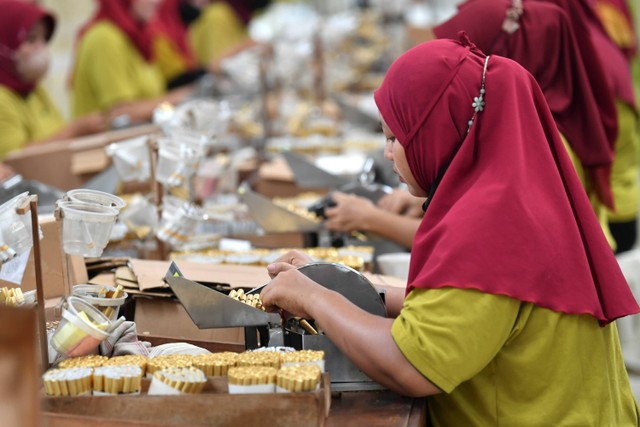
(614,63)
(16,20)
(119,13)
(545,45)
(510,216)
(169,24)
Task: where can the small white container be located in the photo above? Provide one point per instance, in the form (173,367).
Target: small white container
(16,229)
(394,264)
(81,329)
(96,197)
(86,227)
(131,159)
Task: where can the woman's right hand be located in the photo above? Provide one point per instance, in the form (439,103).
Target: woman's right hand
(89,124)
(401,202)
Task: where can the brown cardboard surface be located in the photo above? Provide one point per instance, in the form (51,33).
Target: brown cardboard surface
(168,318)
(390,281)
(62,164)
(54,263)
(275,179)
(150,273)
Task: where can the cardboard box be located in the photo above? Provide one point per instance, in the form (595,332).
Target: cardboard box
(275,179)
(70,163)
(56,265)
(168,318)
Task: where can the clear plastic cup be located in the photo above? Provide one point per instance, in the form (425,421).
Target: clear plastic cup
(177,161)
(131,159)
(15,229)
(178,226)
(86,227)
(96,197)
(96,295)
(81,329)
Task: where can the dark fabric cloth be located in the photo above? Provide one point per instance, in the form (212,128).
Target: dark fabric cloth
(510,216)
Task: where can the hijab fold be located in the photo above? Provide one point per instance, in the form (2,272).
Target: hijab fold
(545,45)
(16,21)
(510,216)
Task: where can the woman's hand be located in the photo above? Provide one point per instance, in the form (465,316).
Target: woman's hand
(351,213)
(89,124)
(401,202)
(289,290)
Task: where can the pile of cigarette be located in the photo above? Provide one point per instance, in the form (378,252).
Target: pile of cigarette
(302,356)
(187,380)
(68,382)
(252,375)
(11,296)
(259,358)
(169,361)
(299,378)
(215,364)
(129,359)
(252,299)
(92,361)
(117,379)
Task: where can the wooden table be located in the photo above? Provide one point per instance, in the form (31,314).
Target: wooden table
(375,408)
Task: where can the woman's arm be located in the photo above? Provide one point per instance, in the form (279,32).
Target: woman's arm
(353,213)
(364,338)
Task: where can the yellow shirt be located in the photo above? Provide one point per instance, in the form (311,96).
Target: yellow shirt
(502,362)
(110,70)
(624,172)
(216,30)
(168,58)
(24,120)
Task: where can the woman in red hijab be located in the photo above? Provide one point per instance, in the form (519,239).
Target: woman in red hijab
(512,289)
(540,37)
(27,114)
(114,70)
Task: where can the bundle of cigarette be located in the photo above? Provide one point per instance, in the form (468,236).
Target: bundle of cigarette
(92,361)
(67,382)
(168,361)
(215,364)
(129,359)
(117,379)
(259,358)
(303,357)
(252,379)
(298,378)
(252,299)
(11,296)
(186,380)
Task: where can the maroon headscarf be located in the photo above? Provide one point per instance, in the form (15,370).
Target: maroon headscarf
(510,216)
(594,37)
(119,13)
(16,20)
(168,23)
(545,45)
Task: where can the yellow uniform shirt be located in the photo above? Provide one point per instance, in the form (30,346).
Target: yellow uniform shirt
(168,58)
(110,70)
(216,30)
(24,120)
(624,172)
(502,362)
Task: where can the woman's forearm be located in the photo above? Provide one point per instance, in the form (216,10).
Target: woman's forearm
(398,228)
(367,341)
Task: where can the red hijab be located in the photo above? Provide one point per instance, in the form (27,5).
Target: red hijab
(16,20)
(119,13)
(509,216)
(169,24)
(594,37)
(545,45)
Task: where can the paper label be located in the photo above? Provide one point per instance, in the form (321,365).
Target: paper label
(13,270)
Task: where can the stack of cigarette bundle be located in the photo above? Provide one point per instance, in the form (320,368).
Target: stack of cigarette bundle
(117,379)
(252,299)
(259,358)
(92,361)
(129,359)
(303,357)
(185,380)
(298,378)
(168,361)
(67,382)
(215,364)
(11,296)
(252,379)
